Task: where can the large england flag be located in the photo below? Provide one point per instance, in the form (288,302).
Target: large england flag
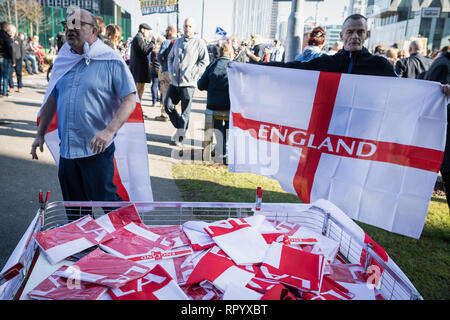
(131,169)
(371,145)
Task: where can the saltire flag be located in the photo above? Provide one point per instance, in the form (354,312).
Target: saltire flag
(371,145)
(221,32)
(131,169)
(158,6)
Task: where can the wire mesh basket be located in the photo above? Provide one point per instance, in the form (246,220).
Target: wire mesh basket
(393,284)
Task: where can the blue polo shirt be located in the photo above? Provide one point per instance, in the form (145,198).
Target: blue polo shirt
(88,97)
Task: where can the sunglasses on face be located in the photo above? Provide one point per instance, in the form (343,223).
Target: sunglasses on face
(74,24)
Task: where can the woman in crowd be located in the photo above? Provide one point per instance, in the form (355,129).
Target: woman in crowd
(315,43)
(112,36)
(155,68)
(215,81)
(392,55)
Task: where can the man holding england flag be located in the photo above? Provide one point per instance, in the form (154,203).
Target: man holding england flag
(344,128)
(90,96)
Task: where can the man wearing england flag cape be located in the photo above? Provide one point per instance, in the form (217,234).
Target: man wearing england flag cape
(90,96)
(344,128)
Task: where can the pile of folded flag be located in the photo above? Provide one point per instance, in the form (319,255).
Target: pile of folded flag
(254,258)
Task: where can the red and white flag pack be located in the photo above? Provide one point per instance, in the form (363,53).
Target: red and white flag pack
(62,242)
(155,285)
(373,146)
(216,267)
(293,267)
(204,290)
(138,243)
(229,235)
(197,236)
(119,218)
(59,288)
(301,236)
(105,269)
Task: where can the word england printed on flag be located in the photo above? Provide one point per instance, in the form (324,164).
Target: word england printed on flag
(371,145)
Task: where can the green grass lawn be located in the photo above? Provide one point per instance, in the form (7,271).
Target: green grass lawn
(425,261)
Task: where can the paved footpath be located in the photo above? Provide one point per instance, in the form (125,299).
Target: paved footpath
(22,178)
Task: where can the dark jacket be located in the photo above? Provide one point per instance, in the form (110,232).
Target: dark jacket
(5,45)
(412,66)
(156,66)
(440,71)
(363,62)
(18,48)
(139,64)
(215,81)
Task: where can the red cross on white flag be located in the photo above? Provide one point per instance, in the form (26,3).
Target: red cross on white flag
(371,145)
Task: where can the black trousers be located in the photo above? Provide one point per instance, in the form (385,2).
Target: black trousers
(446,178)
(173,96)
(88,179)
(18,69)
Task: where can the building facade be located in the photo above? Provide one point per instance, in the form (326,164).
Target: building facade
(254,17)
(90,5)
(399,21)
(357,6)
(333,35)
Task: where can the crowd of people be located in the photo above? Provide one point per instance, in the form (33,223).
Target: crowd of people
(17,49)
(175,64)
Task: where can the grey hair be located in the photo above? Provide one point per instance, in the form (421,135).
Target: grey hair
(416,45)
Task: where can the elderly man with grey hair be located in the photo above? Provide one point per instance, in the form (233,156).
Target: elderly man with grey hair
(186,63)
(415,65)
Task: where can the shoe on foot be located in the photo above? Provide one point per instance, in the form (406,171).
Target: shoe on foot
(177,138)
(19,90)
(161,118)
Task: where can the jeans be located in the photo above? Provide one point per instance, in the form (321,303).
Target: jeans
(5,64)
(18,70)
(446,178)
(174,95)
(28,57)
(155,87)
(222,126)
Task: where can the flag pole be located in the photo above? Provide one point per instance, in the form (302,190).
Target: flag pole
(203,16)
(295,30)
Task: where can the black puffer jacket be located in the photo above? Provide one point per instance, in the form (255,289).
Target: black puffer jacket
(5,45)
(363,62)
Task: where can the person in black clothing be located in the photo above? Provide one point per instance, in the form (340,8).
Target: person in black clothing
(156,66)
(60,40)
(18,54)
(258,53)
(415,65)
(353,58)
(6,55)
(440,71)
(215,81)
(139,64)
